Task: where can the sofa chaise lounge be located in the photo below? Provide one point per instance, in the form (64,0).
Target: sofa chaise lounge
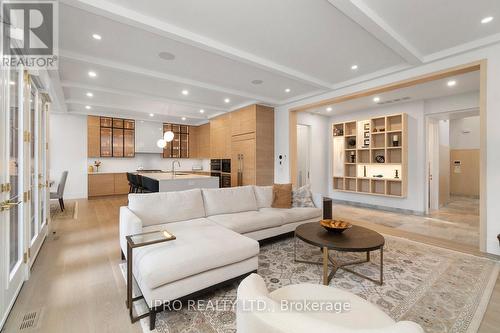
(217,234)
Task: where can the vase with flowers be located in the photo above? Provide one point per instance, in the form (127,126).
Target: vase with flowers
(97,164)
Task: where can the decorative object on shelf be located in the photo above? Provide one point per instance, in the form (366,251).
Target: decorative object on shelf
(382,129)
(337,132)
(366,143)
(380,158)
(367,127)
(396,174)
(378,176)
(167,137)
(335,226)
(395,140)
(352,142)
(364,171)
(375,130)
(90,169)
(367,135)
(97,164)
(353,157)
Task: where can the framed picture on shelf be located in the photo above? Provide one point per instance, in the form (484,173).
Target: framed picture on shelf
(367,135)
(367,142)
(367,127)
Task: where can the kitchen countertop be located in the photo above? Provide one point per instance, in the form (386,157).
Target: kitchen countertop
(161,176)
(146,173)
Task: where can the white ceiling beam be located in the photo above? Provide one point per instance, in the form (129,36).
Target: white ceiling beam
(124,108)
(95,88)
(122,67)
(151,24)
(359,12)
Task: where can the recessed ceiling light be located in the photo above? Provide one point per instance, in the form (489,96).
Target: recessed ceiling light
(151,114)
(227,100)
(329,109)
(487,19)
(354,67)
(88,107)
(89,94)
(202,111)
(166,55)
(376,99)
(257,82)
(287,90)
(452,83)
(183,118)
(92,74)
(185,92)
(12,83)
(96,36)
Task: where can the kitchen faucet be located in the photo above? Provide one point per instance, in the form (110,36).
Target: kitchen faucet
(173,167)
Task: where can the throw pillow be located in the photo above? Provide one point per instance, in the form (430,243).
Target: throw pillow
(282,196)
(302,197)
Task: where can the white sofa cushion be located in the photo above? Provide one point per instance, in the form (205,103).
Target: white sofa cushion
(296,214)
(229,200)
(264,196)
(166,207)
(248,221)
(201,245)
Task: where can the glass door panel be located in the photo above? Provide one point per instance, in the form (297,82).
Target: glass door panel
(33,164)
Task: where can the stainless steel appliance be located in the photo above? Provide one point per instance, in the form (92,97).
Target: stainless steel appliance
(221,168)
(215,165)
(226,165)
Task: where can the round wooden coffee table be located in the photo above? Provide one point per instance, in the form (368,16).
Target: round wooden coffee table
(355,239)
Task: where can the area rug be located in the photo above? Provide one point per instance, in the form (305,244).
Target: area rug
(442,290)
(70,211)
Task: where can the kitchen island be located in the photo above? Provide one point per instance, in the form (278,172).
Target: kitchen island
(167,182)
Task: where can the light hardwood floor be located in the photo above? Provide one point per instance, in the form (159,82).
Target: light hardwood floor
(77,285)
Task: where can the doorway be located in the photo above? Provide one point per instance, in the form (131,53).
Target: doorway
(303,155)
(453,182)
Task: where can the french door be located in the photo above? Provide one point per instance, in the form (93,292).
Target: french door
(23,181)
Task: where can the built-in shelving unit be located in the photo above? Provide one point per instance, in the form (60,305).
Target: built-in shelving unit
(370,156)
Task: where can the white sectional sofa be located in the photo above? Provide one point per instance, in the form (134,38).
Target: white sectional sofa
(217,232)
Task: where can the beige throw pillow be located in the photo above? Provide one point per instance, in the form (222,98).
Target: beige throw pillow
(282,196)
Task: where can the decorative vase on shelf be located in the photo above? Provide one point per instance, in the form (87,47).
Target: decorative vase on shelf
(395,140)
(353,157)
(396,176)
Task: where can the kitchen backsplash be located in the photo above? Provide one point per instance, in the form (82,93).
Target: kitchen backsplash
(147,161)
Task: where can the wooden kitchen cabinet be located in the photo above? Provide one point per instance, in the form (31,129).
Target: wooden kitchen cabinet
(110,137)
(105,142)
(252,147)
(243,158)
(128,143)
(203,136)
(93,136)
(220,137)
(179,147)
(117,142)
(102,184)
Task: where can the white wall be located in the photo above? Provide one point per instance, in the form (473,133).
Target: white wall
(465,133)
(319,126)
(68,151)
(490,121)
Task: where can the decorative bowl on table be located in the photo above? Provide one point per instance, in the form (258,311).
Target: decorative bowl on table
(335,226)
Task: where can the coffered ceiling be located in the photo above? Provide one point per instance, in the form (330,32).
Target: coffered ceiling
(173,58)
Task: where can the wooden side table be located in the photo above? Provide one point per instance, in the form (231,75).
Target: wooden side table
(135,241)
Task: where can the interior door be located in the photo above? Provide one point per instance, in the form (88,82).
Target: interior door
(12,267)
(303,155)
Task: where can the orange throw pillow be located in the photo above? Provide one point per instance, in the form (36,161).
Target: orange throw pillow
(282,196)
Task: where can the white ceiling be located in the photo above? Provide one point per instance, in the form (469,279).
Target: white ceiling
(465,83)
(220,47)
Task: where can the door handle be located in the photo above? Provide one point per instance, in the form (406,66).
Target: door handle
(6,205)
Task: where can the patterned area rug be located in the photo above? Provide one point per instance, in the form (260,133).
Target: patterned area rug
(70,210)
(442,290)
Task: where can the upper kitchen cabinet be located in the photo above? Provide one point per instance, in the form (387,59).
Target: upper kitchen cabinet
(179,147)
(110,137)
(199,141)
(93,136)
(220,136)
